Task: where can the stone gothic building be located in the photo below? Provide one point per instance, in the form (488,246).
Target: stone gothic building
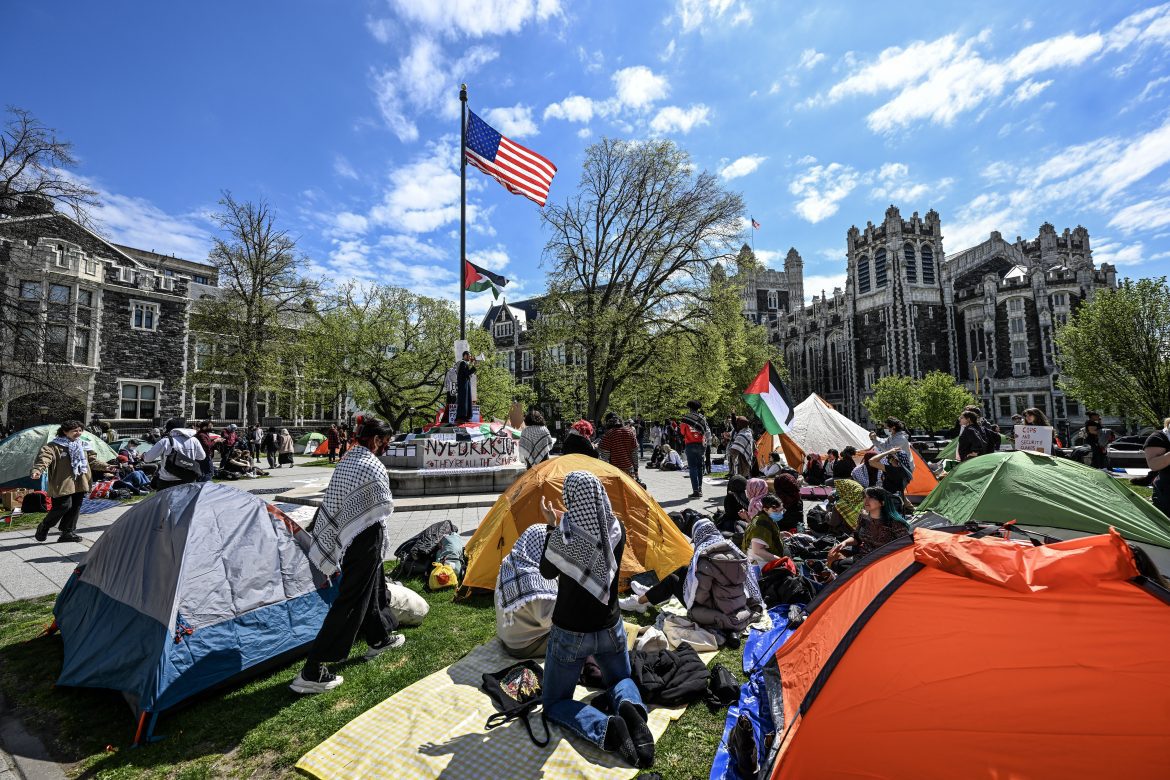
(986,315)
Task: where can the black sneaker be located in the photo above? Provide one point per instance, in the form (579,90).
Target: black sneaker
(42,532)
(69,537)
(316,680)
(639,734)
(395,640)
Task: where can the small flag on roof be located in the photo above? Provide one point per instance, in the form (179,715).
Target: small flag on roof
(480,279)
(769,399)
(755,225)
(521,170)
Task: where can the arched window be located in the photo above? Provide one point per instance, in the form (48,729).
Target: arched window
(773,300)
(879,268)
(911,264)
(927,264)
(863,283)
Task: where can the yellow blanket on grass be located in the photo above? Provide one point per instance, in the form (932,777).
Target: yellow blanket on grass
(435,728)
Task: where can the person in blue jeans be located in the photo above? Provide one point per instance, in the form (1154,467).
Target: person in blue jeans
(582,552)
(696,434)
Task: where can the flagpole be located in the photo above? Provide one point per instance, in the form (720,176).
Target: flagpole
(753,234)
(462,211)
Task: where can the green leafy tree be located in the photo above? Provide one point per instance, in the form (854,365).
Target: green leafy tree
(1114,353)
(939,402)
(892,396)
(496,387)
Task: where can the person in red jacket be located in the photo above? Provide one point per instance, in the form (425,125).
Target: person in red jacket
(695,435)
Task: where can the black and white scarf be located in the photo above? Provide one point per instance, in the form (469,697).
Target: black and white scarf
(78,461)
(582,548)
(744,443)
(699,423)
(705,536)
(519,581)
(358,496)
(535,442)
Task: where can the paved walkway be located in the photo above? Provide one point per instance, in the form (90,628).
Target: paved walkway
(29,568)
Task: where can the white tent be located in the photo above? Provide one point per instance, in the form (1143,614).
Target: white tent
(818,427)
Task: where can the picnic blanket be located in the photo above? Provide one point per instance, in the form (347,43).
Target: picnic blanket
(435,728)
(91,505)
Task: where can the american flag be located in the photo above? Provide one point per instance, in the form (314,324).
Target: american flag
(521,171)
(755,225)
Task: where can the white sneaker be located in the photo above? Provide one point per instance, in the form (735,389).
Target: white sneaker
(326,681)
(631,604)
(395,640)
(637,588)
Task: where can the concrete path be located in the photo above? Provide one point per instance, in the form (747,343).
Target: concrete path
(29,568)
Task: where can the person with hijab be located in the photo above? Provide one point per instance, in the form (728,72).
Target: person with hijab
(845,507)
(69,463)
(787,489)
(535,440)
(579,440)
(881,521)
(284,448)
(348,538)
(764,532)
(524,598)
(585,543)
(755,491)
(741,450)
(844,465)
(735,506)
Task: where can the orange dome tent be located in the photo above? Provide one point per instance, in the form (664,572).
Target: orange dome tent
(946,655)
(653,541)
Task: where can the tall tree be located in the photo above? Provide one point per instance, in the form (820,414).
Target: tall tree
(892,396)
(264,300)
(939,402)
(33,162)
(631,253)
(1114,353)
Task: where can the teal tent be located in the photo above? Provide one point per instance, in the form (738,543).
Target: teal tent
(19,450)
(1043,492)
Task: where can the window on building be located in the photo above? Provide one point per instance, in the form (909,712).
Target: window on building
(526,360)
(85,307)
(231,403)
(203,355)
(1005,406)
(81,346)
(1074,408)
(511,361)
(62,260)
(868,378)
(1040,401)
(1019,368)
(1058,407)
(879,268)
(202,396)
(1060,299)
(863,282)
(927,264)
(139,401)
(503,329)
(56,344)
(1060,318)
(30,291)
(773,300)
(1015,305)
(199,279)
(144,316)
(59,293)
(1019,349)
(1017,326)
(911,263)
(934,347)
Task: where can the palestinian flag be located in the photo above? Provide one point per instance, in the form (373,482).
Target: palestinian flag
(479,279)
(769,399)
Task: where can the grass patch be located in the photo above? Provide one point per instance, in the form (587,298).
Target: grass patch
(319,463)
(1144,492)
(261,728)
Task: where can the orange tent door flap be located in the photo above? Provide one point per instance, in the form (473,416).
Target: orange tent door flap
(924,480)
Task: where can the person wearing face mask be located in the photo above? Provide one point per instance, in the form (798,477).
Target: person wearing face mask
(1157,449)
(897,438)
(348,534)
(764,531)
(971,443)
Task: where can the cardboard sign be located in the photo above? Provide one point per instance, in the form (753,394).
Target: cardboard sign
(1034,438)
(498,451)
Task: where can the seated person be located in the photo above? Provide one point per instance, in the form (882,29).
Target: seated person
(843,466)
(814,469)
(764,532)
(775,464)
(670,459)
(524,598)
(735,506)
(239,464)
(656,456)
(787,489)
(867,474)
(133,456)
(578,441)
(879,523)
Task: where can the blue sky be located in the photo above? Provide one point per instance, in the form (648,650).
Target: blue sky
(344,115)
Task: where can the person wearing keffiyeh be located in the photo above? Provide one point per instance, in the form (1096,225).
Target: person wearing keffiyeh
(742,449)
(583,552)
(524,598)
(535,440)
(348,538)
(69,463)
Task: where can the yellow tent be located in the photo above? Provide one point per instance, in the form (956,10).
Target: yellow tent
(653,541)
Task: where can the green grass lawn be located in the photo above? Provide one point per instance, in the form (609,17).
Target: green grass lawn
(1144,492)
(261,728)
(321,462)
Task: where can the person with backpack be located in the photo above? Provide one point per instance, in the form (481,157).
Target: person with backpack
(70,463)
(348,534)
(971,441)
(584,546)
(696,435)
(179,455)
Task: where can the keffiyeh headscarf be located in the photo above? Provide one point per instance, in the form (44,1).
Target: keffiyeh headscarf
(358,496)
(519,581)
(536,442)
(849,500)
(787,489)
(77,449)
(756,490)
(704,536)
(582,548)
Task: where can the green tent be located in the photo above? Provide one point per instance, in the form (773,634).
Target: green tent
(19,450)
(1040,491)
(311,438)
(951,451)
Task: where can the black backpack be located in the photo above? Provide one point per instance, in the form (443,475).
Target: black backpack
(36,501)
(416,554)
(516,692)
(182,467)
(990,438)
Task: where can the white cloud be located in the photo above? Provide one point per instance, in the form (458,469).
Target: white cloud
(772,90)
(1144,215)
(343,168)
(893,185)
(584,132)
(346,223)
(808,159)
(998,171)
(139,223)
(1029,89)
(514,122)
(492,259)
(477,18)
(822,283)
(638,87)
(820,190)
(770,258)
(593,61)
(973,223)
(574,108)
(810,58)
(383,30)
(668,52)
(423,195)
(693,14)
(674,119)
(1106,250)
(742,166)
(424,81)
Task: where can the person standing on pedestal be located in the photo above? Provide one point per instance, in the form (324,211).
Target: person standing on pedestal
(465,368)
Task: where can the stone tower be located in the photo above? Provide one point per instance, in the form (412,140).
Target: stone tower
(794,272)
